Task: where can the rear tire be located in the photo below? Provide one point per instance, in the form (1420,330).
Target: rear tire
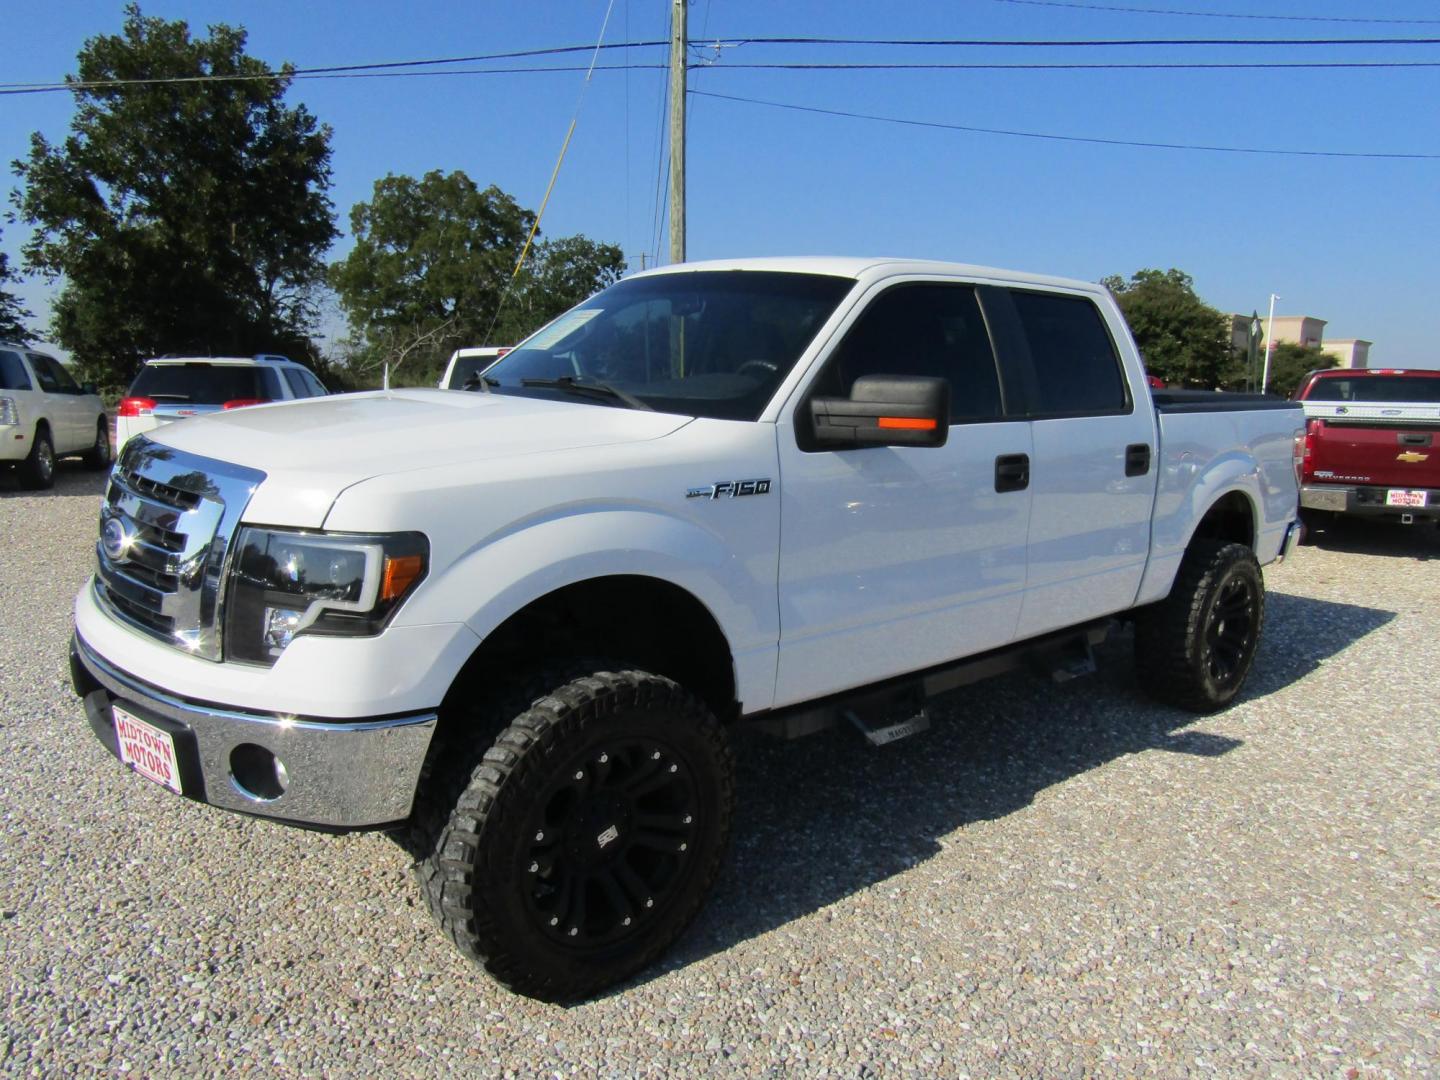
(37,471)
(98,456)
(1194,649)
(587,837)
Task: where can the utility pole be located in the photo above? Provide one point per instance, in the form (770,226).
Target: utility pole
(1269,344)
(678,50)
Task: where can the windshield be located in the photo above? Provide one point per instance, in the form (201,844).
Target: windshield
(1391,388)
(712,343)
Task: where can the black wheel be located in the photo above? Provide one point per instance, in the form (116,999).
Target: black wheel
(1194,648)
(37,471)
(587,837)
(98,456)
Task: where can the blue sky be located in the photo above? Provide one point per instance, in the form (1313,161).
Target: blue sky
(1350,240)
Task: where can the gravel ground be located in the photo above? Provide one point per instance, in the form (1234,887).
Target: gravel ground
(1056,881)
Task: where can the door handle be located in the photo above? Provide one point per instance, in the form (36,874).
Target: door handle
(1137,459)
(1012,472)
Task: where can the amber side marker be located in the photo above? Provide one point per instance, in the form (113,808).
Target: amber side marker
(400,573)
(907,423)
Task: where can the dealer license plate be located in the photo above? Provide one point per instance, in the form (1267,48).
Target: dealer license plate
(147,749)
(1396,497)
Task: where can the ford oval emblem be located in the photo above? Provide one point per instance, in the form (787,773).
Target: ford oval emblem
(115,540)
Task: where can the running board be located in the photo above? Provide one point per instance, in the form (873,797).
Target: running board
(897,708)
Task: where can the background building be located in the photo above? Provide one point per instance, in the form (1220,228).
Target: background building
(1348,352)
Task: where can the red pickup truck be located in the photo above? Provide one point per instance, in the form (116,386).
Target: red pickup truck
(1372,444)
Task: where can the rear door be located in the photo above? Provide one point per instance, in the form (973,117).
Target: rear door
(1093,475)
(64,404)
(893,559)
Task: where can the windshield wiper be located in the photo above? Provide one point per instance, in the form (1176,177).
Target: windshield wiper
(588,389)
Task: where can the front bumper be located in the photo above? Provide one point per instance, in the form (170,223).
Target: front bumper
(340,774)
(1367,500)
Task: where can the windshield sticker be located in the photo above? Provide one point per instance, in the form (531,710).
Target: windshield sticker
(562,328)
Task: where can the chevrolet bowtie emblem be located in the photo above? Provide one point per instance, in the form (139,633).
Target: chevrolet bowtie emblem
(1411,456)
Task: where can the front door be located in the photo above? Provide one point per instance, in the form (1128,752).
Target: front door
(894,559)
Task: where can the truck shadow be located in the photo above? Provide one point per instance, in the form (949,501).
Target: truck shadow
(71,478)
(1386,538)
(821,819)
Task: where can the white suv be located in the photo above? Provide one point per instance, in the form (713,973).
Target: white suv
(45,414)
(173,388)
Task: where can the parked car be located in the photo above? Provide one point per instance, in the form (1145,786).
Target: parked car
(1372,445)
(463,370)
(45,414)
(816,492)
(174,388)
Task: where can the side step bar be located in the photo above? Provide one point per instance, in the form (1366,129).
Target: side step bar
(897,708)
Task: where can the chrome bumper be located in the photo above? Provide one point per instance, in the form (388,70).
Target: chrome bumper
(342,775)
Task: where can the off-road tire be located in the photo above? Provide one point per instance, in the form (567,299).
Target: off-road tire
(98,456)
(37,471)
(1194,649)
(606,799)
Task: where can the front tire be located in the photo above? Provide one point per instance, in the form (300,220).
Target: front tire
(37,471)
(1194,649)
(587,837)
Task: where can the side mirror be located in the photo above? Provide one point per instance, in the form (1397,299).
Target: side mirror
(89,388)
(884,410)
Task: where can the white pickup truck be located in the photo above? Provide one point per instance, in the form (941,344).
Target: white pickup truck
(787,491)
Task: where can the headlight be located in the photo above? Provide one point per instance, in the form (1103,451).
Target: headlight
(284,584)
(9,415)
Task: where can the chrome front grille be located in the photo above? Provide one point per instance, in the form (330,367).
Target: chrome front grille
(166,528)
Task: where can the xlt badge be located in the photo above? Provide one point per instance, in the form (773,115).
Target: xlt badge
(729,489)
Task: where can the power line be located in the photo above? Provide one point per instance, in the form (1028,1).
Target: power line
(386,67)
(1065,43)
(1117,66)
(1158,66)
(1062,138)
(1208,14)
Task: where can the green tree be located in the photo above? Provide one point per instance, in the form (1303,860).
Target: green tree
(432,267)
(12,313)
(1290,362)
(182,216)
(1184,340)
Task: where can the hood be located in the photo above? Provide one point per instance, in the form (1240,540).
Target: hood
(312,450)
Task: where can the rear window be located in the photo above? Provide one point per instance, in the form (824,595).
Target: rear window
(13,375)
(1075,362)
(200,384)
(1411,388)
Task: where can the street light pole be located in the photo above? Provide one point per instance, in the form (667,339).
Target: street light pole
(1269,344)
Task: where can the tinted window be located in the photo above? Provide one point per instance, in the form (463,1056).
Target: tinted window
(297,385)
(44,374)
(1076,369)
(1412,388)
(317,388)
(934,330)
(199,384)
(49,366)
(13,375)
(712,343)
